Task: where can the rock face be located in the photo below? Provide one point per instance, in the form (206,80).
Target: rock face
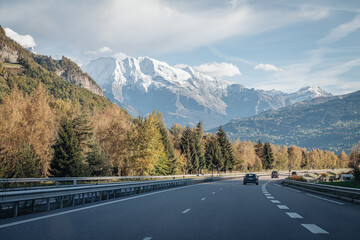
(183,95)
(8,55)
(69,71)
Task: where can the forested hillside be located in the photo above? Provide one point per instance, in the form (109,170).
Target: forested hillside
(327,123)
(18,68)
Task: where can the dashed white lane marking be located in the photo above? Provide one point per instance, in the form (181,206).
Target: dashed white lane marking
(325,199)
(269,197)
(203,199)
(282,207)
(292,189)
(186,211)
(221,189)
(147,238)
(314,229)
(213,192)
(267,194)
(275,201)
(293,215)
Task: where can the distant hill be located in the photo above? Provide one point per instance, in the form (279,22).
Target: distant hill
(62,78)
(329,123)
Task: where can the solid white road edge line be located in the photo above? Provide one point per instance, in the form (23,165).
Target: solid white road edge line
(340,203)
(89,207)
(293,189)
(314,229)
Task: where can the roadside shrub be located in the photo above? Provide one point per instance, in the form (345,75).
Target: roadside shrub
(297,178)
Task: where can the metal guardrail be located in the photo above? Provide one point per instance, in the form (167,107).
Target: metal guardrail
(344,193)
(13,203)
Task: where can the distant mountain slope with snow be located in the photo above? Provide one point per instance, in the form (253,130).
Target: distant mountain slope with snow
(184,95)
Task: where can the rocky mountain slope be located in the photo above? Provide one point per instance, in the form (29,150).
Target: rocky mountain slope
(184,95)
(329,123)
(19,68)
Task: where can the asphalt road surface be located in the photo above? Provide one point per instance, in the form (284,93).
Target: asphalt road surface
(218,210)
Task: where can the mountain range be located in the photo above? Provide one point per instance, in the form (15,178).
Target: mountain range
(329,123)
(182,94)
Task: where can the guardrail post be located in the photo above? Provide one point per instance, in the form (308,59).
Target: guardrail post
(92,197)
(75,182)
(107,195)
(61,202)
(47,204)
(83,198)
(73,200)
(16,208)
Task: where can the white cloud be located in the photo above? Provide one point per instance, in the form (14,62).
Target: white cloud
(120,56)
(26,41)
(341,31)
(267,68)
(149,27)
(215,69)
(99,51)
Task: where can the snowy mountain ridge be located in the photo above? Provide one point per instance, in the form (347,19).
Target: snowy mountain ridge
(183,94)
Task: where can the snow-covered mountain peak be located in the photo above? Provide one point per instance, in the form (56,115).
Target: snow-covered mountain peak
(182,94)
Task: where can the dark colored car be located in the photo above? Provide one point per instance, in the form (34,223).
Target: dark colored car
(293,173)
(251,178)
(274,174)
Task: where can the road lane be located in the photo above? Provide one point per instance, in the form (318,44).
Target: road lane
(236,212)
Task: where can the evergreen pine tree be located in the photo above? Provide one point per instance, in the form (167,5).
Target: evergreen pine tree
(99,162)
(68,159)
(198,153)
(213,155)
(27,163)
(169,164)
(268,156)
(83,131)
(228,157)
(185,148)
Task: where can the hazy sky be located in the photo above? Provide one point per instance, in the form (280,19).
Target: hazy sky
(265,44)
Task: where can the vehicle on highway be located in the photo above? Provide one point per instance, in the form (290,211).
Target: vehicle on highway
(274,174)
(251,178)
(293,173)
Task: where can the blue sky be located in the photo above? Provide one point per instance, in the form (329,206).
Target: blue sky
(283,45)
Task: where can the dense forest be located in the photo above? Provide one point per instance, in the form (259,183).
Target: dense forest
(42,136)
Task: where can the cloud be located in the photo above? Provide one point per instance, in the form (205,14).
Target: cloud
(99,51)
(148,27)
(215,69)
(26,41)
(267,68)
(120,56)
(341,31)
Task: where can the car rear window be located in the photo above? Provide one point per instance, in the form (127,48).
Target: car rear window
(250,175)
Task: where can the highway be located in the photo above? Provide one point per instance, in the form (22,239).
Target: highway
(216,210)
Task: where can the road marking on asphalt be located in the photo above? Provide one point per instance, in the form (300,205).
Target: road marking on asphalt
(270,197)
(275,201)
(89,207)
(221,189)
(267,194)
(186,211)
(293,215)
(147,238)
(277,185)
(213,192)
(325,199)
(314,229)
(203,199)
(293,189)
(282,207)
